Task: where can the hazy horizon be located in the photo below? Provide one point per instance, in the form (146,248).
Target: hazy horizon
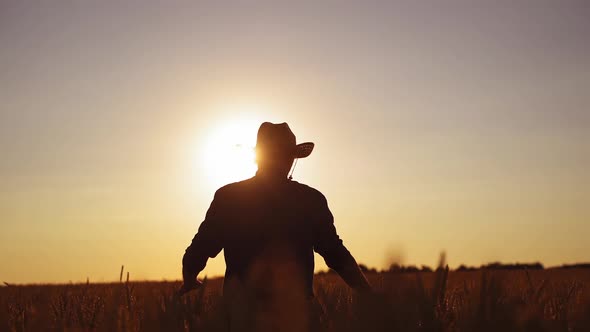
(460,127)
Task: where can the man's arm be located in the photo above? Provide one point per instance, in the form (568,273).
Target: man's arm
(328,244)
(206,244)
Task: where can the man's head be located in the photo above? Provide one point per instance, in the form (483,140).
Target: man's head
(276,148)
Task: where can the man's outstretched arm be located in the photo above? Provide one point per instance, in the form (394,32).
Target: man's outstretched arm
(330,246)
(206,244)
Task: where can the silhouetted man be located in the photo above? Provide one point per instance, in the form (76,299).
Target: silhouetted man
(269,227)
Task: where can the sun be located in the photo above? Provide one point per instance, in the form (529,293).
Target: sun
(228,152)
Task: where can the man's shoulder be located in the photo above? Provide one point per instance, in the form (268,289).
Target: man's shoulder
(308,190)
(234,187)
(245,187)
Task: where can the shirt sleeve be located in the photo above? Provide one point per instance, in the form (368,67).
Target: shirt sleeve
(206,244)
(328,244)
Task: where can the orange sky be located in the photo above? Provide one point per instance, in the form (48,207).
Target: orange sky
(455,127)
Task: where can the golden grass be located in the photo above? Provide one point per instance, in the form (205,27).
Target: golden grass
(519,300)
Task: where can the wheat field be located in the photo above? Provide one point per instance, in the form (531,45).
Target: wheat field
(482,300)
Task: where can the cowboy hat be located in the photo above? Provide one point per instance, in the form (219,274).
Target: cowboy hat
(278,139)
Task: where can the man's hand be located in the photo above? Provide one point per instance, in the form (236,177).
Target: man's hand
(188,286)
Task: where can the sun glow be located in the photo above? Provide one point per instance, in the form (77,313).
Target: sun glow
(228,153)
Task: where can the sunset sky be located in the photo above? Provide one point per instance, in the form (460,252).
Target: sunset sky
(462,126)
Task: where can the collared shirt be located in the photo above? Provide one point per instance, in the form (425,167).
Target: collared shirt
(269,229)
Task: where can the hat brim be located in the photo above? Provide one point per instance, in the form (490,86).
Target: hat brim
(303,150)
